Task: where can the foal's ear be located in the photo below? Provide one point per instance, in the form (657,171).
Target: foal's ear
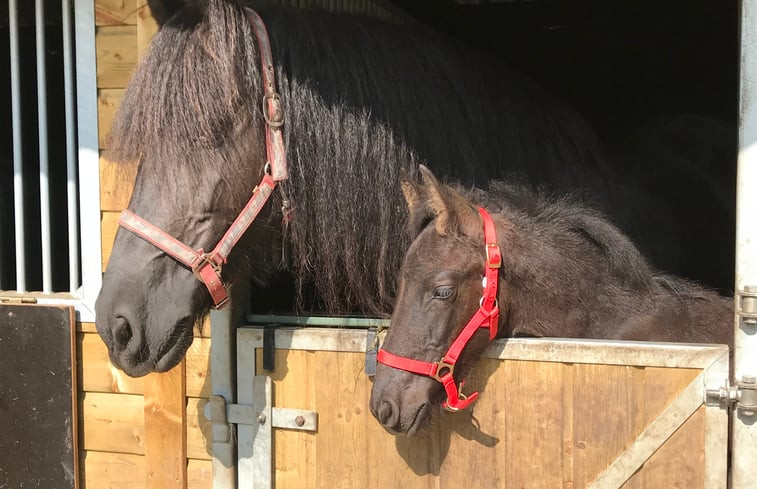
(453,213)
(162,10)
(419,214)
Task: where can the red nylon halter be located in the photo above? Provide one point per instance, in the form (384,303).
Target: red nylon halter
(207,266)
(487,316)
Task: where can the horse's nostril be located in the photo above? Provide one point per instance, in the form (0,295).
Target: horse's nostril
(122,334)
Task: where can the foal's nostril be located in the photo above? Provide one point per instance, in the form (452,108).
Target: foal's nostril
(387,414)
(122,334)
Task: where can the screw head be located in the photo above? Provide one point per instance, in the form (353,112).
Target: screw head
(299,421)
(261,419)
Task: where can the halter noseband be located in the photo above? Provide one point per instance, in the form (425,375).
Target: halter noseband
(207,266)
(487,316)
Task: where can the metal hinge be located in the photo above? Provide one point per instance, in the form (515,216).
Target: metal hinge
(746,305)
(743,395)
(17,299)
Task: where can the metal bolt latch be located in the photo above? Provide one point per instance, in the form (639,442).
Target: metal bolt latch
(743,395)
(747,305)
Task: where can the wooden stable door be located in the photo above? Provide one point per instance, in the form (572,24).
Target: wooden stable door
(551,414)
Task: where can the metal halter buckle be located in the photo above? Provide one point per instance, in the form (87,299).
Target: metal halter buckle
(205,259)
(277,119)
(489,262)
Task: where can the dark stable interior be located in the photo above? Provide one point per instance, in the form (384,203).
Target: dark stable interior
(619,64)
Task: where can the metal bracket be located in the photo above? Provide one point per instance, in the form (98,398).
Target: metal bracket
(224,415)
(743,395)
(746,305)
(371,352)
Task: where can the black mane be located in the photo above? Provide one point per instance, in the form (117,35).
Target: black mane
(346,133)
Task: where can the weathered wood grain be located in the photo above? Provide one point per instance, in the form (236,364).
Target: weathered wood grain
(165,419)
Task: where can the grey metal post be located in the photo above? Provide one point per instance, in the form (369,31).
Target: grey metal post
(44,173)
(744,440)
(222,367)
(71,185)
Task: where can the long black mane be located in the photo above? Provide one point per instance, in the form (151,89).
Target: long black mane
(362,97)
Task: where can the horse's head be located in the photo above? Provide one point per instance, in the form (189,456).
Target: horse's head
(191,118)
(439,291)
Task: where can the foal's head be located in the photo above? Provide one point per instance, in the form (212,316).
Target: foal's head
(439,290)
(566,272)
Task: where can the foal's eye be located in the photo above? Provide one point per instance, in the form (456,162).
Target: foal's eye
(443,292)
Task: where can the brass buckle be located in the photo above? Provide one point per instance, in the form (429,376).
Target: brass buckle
(441,365)
(277,119)
(489,263)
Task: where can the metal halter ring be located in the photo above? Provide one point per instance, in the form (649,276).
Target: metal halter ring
(441,365)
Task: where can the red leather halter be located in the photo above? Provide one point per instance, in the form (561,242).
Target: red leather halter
(487,316)
(207,266)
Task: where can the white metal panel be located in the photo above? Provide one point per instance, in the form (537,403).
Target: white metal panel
(744,440)
(88,158)
(18,165)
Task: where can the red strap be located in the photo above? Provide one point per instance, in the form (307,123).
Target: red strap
(487,316)
(404,363)
(272,110)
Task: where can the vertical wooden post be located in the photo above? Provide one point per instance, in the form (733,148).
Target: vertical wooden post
(166,429)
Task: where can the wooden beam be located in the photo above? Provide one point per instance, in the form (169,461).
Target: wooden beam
(116,48)
(165,417)
(115,12)
(112,422)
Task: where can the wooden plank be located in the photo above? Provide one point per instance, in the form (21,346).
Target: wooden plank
(108,101)
(112,422)
(470,438)
(108,229)
(97,374)
(104,470)
(116,183)
(295,451)
(534,422)
(165,421)
(199,430)
(341,407)
(605,416)
(116,51)
(115,12)
(146,28)
(86,327)
(680,461)
(198,368)
(199,474)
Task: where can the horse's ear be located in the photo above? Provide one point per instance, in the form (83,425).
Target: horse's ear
(162,10)
(453,213)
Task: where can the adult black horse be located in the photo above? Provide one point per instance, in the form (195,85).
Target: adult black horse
(361,98)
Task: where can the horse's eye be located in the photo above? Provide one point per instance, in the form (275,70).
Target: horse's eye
(444,292)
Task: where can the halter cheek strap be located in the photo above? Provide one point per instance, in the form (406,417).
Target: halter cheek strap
(207,267)
(487,316)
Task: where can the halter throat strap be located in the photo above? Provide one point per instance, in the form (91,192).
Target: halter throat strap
(207,267)
(487,316)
